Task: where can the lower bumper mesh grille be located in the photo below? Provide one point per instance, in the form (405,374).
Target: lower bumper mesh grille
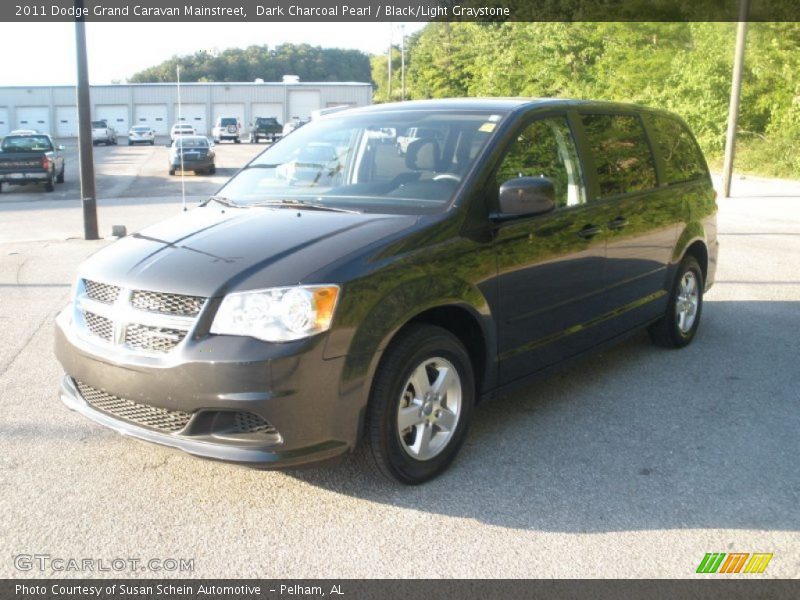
(161,419)
(245,422)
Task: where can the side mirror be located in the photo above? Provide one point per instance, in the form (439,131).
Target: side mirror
(526,196)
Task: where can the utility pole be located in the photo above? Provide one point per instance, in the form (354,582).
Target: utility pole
(736,91)
(403,62)
(85,148)
(389,92)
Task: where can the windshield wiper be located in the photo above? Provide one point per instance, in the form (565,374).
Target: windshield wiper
(301,204)
(222,200)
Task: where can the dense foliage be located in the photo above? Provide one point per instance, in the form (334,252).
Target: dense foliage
(310,63)
(684,67)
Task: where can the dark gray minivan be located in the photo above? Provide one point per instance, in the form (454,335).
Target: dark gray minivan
(335,296)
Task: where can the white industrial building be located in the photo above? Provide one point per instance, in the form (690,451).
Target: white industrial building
(53,109)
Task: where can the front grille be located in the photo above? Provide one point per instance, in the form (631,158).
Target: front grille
(99,326)
(152,339)
(161,419)
(143,320)
(167,304)
(102,292)
(245,422)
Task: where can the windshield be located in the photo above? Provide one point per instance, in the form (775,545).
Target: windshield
(191,143)
(265,121)
(358,162)
(141,129)
(99,124)
(28,143)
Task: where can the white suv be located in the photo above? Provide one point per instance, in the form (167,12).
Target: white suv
(227,128)
(180,129)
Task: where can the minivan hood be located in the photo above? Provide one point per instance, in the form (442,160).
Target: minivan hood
(209,251)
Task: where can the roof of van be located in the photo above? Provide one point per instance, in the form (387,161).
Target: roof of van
(498,104)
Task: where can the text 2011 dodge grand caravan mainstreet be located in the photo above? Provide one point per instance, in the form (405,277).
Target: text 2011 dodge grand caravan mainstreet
(335,296)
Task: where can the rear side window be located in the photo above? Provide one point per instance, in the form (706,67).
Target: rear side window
(621,153)
(683,160)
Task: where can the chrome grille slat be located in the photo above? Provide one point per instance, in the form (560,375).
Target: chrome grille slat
(153,417)
(138,320)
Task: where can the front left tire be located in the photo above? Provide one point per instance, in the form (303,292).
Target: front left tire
(678,327)
(420,405)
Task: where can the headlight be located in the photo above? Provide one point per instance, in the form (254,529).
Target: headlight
(277,314)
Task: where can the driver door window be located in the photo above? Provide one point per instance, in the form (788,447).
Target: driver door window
(545,148)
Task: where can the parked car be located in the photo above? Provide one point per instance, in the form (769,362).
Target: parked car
(267,128)
(367,309)
(413,134)
(294,124)
(103,133)
(31,158)
(141,134)
(227,128)
(180,129)
(192,153)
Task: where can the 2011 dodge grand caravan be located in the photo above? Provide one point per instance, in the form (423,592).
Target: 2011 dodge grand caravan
(335,296)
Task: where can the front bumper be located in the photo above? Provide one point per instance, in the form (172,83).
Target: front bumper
(291,386)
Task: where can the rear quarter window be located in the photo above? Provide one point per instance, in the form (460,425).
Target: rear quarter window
(683,160)
(621,153)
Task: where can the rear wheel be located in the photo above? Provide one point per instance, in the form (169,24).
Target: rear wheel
(60,178)
(679,324)
(236,140)
(172,171)
(50,185)
(420,405)
(212,169)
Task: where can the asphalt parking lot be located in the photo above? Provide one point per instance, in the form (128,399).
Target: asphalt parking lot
(633,463)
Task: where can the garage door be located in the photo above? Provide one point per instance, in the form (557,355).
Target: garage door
(230,110)
(152,115)
(4,128)
(267,109)
(116,115)
(66,121)
(194,115)
(34,117)
(302,102)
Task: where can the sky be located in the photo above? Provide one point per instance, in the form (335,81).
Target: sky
(118,50)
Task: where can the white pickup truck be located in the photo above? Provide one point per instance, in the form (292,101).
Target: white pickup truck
(103,133)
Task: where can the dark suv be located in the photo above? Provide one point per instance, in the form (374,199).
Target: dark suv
(365,301)
(266,128)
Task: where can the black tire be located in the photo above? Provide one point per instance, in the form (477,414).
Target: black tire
(172,171)
(1,187)
(130,143)
(50,186)
(152,142)
(382,448)
(60,176)
(667,331)
(212,169)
